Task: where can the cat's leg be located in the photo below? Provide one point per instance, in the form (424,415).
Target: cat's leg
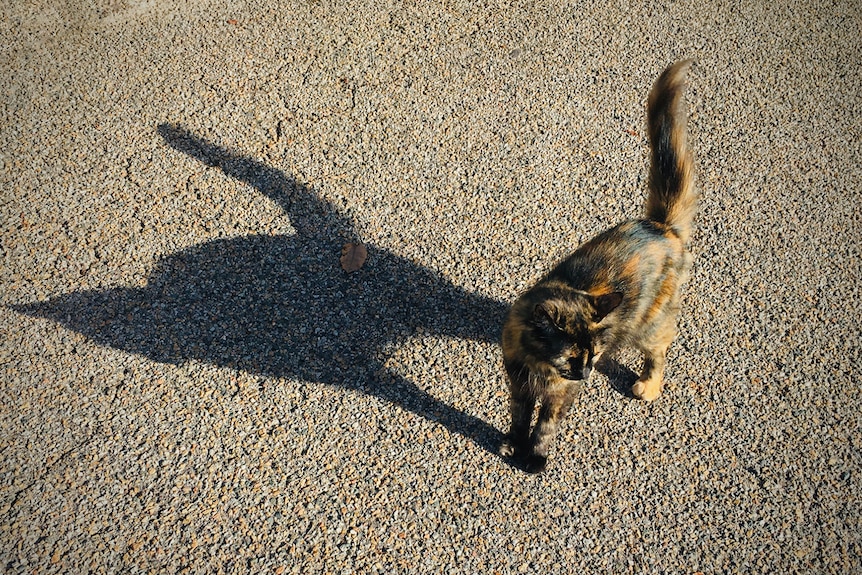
(522,402)
(649,385)
(556,403)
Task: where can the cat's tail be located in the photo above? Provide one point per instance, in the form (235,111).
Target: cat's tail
(672,200)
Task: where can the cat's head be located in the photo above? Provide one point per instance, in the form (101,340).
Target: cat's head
(568,331)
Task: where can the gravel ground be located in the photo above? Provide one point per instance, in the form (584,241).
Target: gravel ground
(192,384)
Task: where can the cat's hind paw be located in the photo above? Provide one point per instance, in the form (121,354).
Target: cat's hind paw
(646,390)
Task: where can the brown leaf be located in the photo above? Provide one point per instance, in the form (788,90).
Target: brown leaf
(232,21)
(353,257)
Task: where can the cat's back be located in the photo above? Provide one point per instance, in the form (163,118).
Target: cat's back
(628,258)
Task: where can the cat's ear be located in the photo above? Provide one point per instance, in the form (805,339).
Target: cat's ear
(605,304)
(542,317)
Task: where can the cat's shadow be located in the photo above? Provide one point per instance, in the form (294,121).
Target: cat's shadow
(620,377)
(280,305)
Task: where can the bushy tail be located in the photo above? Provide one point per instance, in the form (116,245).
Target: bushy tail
(672,200)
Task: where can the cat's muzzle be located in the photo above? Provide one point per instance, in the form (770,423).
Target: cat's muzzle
(575,373)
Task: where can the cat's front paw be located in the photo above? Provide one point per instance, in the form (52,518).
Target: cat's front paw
(513,445)
(509,447)
(535,463)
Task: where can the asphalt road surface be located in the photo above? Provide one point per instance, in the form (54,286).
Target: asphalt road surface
(191,382)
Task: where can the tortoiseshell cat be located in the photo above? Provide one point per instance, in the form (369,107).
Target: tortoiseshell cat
(619,289)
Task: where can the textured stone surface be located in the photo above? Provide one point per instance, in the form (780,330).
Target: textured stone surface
(192,384)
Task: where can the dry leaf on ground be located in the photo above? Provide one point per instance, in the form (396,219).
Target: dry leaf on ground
(353,257)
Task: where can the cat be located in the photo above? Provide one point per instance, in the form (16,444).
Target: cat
(621,288)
